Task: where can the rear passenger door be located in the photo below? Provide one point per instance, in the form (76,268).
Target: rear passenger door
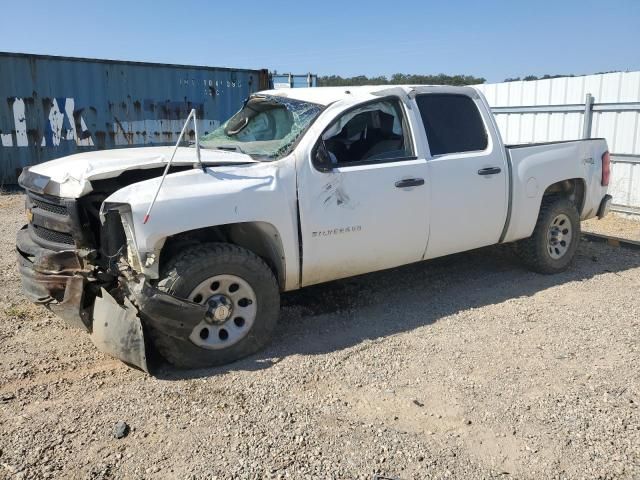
(468,170)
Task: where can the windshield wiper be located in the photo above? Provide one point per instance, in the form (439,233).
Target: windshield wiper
(230,148)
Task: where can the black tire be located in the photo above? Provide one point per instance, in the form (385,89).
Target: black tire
(534,251)
(194,265)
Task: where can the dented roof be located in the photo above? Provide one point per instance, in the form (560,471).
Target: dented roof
(327,95)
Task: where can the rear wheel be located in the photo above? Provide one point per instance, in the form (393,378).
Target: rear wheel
(243,302)
(553,244)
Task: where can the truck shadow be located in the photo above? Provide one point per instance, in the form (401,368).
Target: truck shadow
(344,313)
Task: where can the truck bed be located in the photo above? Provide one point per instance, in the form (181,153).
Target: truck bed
(535,166)
(555,142)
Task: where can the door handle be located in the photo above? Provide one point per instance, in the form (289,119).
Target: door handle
(489,171)
(410,182)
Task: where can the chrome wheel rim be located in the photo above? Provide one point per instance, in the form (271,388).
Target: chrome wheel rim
(559,236)
(231,311)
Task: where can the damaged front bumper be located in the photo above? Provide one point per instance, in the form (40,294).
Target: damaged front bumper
(118,329)
(54,279)
(61,281)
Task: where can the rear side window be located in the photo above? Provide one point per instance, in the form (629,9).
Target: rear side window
(452,122)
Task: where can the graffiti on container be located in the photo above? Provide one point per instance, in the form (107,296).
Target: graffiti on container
(60,121)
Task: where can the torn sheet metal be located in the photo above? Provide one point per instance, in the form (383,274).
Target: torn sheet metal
(117,331)
(70,308)
(53,279)
(171,316)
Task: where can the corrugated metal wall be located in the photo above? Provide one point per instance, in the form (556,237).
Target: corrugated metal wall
(554,109)
(290,80)
(56,106)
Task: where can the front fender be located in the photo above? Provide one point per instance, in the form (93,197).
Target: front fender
(190,200)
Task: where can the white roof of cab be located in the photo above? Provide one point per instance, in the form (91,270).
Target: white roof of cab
(327,95)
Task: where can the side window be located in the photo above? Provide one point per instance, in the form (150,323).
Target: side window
(375,132)
(452,122)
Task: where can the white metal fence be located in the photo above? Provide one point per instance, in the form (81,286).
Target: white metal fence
(606,105)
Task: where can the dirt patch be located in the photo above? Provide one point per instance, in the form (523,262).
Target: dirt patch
(464,367)
(614,226)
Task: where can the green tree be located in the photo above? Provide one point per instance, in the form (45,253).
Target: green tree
(529,78)
(399,79)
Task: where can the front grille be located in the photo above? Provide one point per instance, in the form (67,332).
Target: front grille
(50,207)
(54,222)
(52,236)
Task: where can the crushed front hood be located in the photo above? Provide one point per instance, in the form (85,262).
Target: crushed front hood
(71,176)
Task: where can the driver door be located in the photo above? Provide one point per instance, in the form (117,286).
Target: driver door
(367,209)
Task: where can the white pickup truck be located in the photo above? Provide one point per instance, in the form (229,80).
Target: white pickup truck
(299,187)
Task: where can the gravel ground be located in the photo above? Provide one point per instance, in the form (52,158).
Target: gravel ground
(614,226)
(465,367)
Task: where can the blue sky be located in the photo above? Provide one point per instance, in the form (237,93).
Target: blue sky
(494,39)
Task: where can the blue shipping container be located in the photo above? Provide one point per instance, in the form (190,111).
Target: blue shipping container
(57,106)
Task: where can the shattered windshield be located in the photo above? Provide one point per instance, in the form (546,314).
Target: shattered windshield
(267,126)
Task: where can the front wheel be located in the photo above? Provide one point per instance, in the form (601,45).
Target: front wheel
(553,244)
(242,299)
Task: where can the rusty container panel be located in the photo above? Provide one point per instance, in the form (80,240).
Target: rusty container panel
(56,106)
